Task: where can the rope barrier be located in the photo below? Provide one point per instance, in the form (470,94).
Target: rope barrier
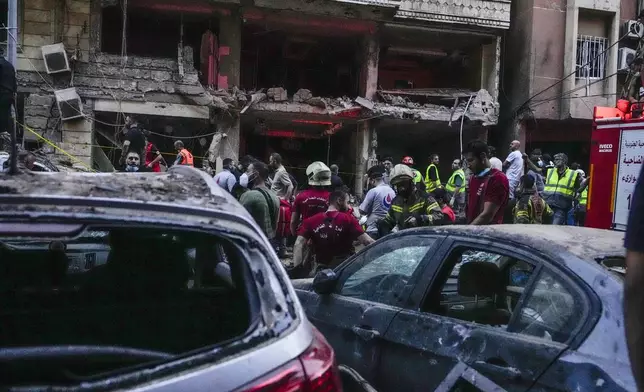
(174,154)
(52,144)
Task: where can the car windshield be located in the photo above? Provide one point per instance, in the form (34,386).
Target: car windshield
(108,298)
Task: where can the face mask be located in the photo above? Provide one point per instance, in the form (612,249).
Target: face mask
(131,168)
(484,172)
(252,177)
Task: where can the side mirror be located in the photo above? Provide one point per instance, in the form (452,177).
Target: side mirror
(324,281)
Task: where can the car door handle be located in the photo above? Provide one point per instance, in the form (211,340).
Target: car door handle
(365,333)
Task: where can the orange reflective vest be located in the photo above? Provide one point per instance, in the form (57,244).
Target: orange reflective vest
(187,157)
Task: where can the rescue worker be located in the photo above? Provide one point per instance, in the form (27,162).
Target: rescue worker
(309,202)
(409,161)
(377,202)
(432,179)
(561,185)
(580,211)
(184,157)
(455,187)
(331,233)
(530,207)
(152,156)
(443,201)
(411,207)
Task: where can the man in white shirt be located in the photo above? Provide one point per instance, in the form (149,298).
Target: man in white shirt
(225,178)
(513,166)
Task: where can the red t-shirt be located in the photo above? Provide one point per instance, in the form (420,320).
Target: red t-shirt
(310,202)
(496,191)
(151,152)
(331,233)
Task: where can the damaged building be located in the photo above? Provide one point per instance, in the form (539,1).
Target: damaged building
(331,80)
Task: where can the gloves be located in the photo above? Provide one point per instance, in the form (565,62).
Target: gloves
(451,202)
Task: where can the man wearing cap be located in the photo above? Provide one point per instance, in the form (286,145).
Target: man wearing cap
(378,200)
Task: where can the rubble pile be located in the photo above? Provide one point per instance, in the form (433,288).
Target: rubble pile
(234,99)
(482,108)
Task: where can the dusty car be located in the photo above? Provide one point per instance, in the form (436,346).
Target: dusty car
(190,295)
(493,308)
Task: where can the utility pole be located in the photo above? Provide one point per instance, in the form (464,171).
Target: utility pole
(12,54)
(12,32)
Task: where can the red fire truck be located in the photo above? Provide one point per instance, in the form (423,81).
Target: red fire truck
(616,157)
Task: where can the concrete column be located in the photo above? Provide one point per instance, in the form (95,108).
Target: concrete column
(230,30)
(229,50)
(77,140)
(490,67)
(368,88)
(363,141)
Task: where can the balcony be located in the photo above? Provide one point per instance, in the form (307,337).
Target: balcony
(482,13)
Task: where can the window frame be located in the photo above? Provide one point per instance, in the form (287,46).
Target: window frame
(591,303)
(361,259)
(584,67)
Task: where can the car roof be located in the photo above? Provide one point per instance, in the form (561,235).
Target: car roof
(585,243)
(181,186)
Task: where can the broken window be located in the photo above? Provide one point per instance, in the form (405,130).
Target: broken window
(552,310)
(151,33)
(384,271)
(328,66)
(479,286)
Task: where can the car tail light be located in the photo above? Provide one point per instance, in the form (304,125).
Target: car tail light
(314,371)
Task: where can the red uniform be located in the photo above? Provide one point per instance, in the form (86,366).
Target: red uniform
(493,186)
(332,235)
(151,152)
(310,202)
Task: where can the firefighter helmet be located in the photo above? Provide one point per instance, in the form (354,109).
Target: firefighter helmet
(408,161)
(400,173)
(318,174)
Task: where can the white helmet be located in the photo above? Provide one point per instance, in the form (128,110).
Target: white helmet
(581,173)
(400,172)
(318,174)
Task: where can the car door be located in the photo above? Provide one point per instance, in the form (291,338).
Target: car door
(441,339)
(369,292)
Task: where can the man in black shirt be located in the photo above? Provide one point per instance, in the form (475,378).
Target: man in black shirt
(134,138)
(8,90)
(336,180)
(634,286)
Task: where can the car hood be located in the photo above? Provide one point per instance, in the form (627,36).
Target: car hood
(303,284)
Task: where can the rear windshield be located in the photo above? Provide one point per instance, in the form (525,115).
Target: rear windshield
(127,296)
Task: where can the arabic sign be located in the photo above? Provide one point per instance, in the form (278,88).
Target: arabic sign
(631,157)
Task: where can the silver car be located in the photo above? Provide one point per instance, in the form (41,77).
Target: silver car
(146,282)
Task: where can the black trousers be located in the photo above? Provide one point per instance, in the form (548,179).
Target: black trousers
(6,100)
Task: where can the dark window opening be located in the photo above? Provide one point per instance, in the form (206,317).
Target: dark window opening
(153,33)
(440,70)
(146,295)
(326,66)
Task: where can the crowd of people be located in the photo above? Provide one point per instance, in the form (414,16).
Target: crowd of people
(322,226)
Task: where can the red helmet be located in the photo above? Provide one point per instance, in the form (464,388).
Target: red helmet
(408,161)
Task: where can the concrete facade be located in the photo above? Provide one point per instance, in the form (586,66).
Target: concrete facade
(541,55)
(442,34)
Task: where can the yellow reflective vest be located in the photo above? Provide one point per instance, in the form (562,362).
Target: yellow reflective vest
(560,191)
(583,199)
(451,183)
(429,184)
(417,176)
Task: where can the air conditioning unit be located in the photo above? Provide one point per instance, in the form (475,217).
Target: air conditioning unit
(55,58)
(633,29)
(69,103)
(625,57)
